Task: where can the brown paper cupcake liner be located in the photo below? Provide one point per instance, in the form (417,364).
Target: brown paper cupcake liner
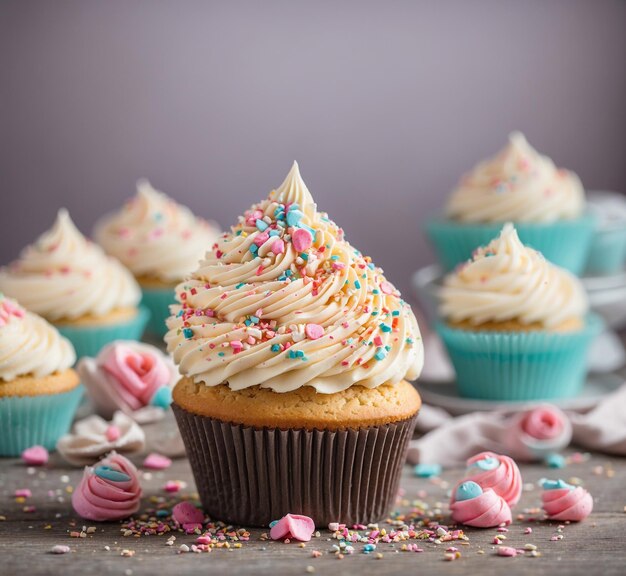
(251,476)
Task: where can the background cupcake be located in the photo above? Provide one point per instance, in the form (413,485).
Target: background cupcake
(39,392)
(515,325)
(90,297)
(294,349)
(519,185)
(160,241)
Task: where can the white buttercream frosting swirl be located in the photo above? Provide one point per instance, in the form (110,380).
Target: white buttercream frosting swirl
(518,184)
(65,276)
(284,301)
(156,237)
(29,346)
(506,280)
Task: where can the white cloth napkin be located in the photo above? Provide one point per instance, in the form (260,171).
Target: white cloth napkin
(450,441)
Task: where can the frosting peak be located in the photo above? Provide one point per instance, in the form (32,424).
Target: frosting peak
(63,275)
(506,280)
(29,346)
(294,191)
(156,237)
(517,184)
(284,301)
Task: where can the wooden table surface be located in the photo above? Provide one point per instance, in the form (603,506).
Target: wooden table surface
(28,534)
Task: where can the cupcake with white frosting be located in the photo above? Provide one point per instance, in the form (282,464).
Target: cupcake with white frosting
(519,185)
(90,297)
(294,351)
(39,391)
(160,242)
(516,326)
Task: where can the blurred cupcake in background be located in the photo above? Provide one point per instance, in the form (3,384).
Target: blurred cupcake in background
(130,376)
(519,185)
(39,391)
(516,326)
(160,241)
(90,297)
(607,254)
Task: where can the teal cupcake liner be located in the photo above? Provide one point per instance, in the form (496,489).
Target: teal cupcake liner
(88,340)
(565,243)
(519,365)
(27,421)
(607,254)
(158,301)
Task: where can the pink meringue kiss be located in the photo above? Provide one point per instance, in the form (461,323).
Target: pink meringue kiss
(482,509)
(108,491)
(35,456)
(561,501)
(536,433)
(498,472)
(128,376)
(293,526)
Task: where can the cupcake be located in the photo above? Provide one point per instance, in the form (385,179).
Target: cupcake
(133,377)
(516,326)
(90,297)
(294,351)
(39,391)
(518,185)
(160,242)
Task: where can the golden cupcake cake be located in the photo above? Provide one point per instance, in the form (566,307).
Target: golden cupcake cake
(90,297)
(519,185)
(160,242)
(516,326)
(295,353)
(39,391)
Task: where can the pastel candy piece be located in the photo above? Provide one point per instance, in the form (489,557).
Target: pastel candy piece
(314,331)
(157,461)
(555,485)
(427,470)
(571,503)
(301,240)
(294,216)
(35,456)
(261,238)
(504,478)
(468,490)
(293,526)
(386,287)
(112,474)
(555,461)
(112,433)
(261,225)
(23,493)
(278,246)
(487,463)
(507,551)
(162,397)
(186,513)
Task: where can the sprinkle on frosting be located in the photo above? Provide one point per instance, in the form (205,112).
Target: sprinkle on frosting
(64,276)
(517,184)
(283,301)
(29,346)
(506,280)
(156,237)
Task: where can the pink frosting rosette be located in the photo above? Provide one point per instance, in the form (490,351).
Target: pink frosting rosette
(473,506)
(130,376)
(562,501)
(498,472)
(108,491)
(538,432)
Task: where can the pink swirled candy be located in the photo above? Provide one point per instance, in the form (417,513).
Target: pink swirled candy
(562,501)
(535,433)
(498,472)
(482,509)
(108,491)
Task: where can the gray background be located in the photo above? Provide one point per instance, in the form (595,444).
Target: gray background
(384,104)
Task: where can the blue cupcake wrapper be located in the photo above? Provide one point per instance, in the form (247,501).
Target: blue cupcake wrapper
(27,421)
(519,365)
(158,301)
(607,253)
(89,340)
(565,243)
